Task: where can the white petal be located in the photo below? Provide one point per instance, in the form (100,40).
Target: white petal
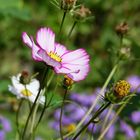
(33,86)
(16,83)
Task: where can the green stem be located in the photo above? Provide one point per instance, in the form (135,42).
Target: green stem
(33,106)
(61,113)
(33,119)
(42,113)
(75,22)
(106,118)
(17,116)
(62,22)
(100,110)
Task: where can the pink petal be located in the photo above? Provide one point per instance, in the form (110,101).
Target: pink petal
(60,49)
(35,55)
(26,39)
(73,56)
(46,39)
(81,75)
(75,64)
(48,60)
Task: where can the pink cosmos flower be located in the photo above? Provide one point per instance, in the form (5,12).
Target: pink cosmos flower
(75,64)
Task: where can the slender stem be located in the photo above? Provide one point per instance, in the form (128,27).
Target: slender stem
(100,110)
(33,118)
(116,115)
(75,22)
(27,96)
(42,113)
(61,113)
(17,116)
(106,118)
(33,106)
(62,22)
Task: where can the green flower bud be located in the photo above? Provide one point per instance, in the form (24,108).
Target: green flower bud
(24,78)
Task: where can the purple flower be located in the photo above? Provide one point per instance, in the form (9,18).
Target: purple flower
(134,81)
(4,127)
(135,117)
(75,64)
(127,130)
(2,135)
(111,133)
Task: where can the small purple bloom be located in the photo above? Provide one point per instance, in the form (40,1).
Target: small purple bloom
(127,130)
(111,133)
(4,127)
(135,117)
(2,135)
(134,81)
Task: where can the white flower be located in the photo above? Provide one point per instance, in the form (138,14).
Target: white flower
(29,91)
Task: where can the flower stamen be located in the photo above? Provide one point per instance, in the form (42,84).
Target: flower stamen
(55,56)
(26,92)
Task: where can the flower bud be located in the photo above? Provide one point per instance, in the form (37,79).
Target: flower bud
(81,13)
(122,28)
(125,53)
(120,90)
(67,5)
(69,128)
(24,78)
(67,83)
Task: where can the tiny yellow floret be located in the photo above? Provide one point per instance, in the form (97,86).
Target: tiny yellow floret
(26,92)
(71,127)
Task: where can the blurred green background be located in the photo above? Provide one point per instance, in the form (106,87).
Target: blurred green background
(97,35)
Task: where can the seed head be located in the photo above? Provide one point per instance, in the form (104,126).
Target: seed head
(67,5)
(122,28)
(81,13)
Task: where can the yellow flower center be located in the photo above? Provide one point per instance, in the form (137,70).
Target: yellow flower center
(122,88)
(26,92)
(55,56)
(71,127)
